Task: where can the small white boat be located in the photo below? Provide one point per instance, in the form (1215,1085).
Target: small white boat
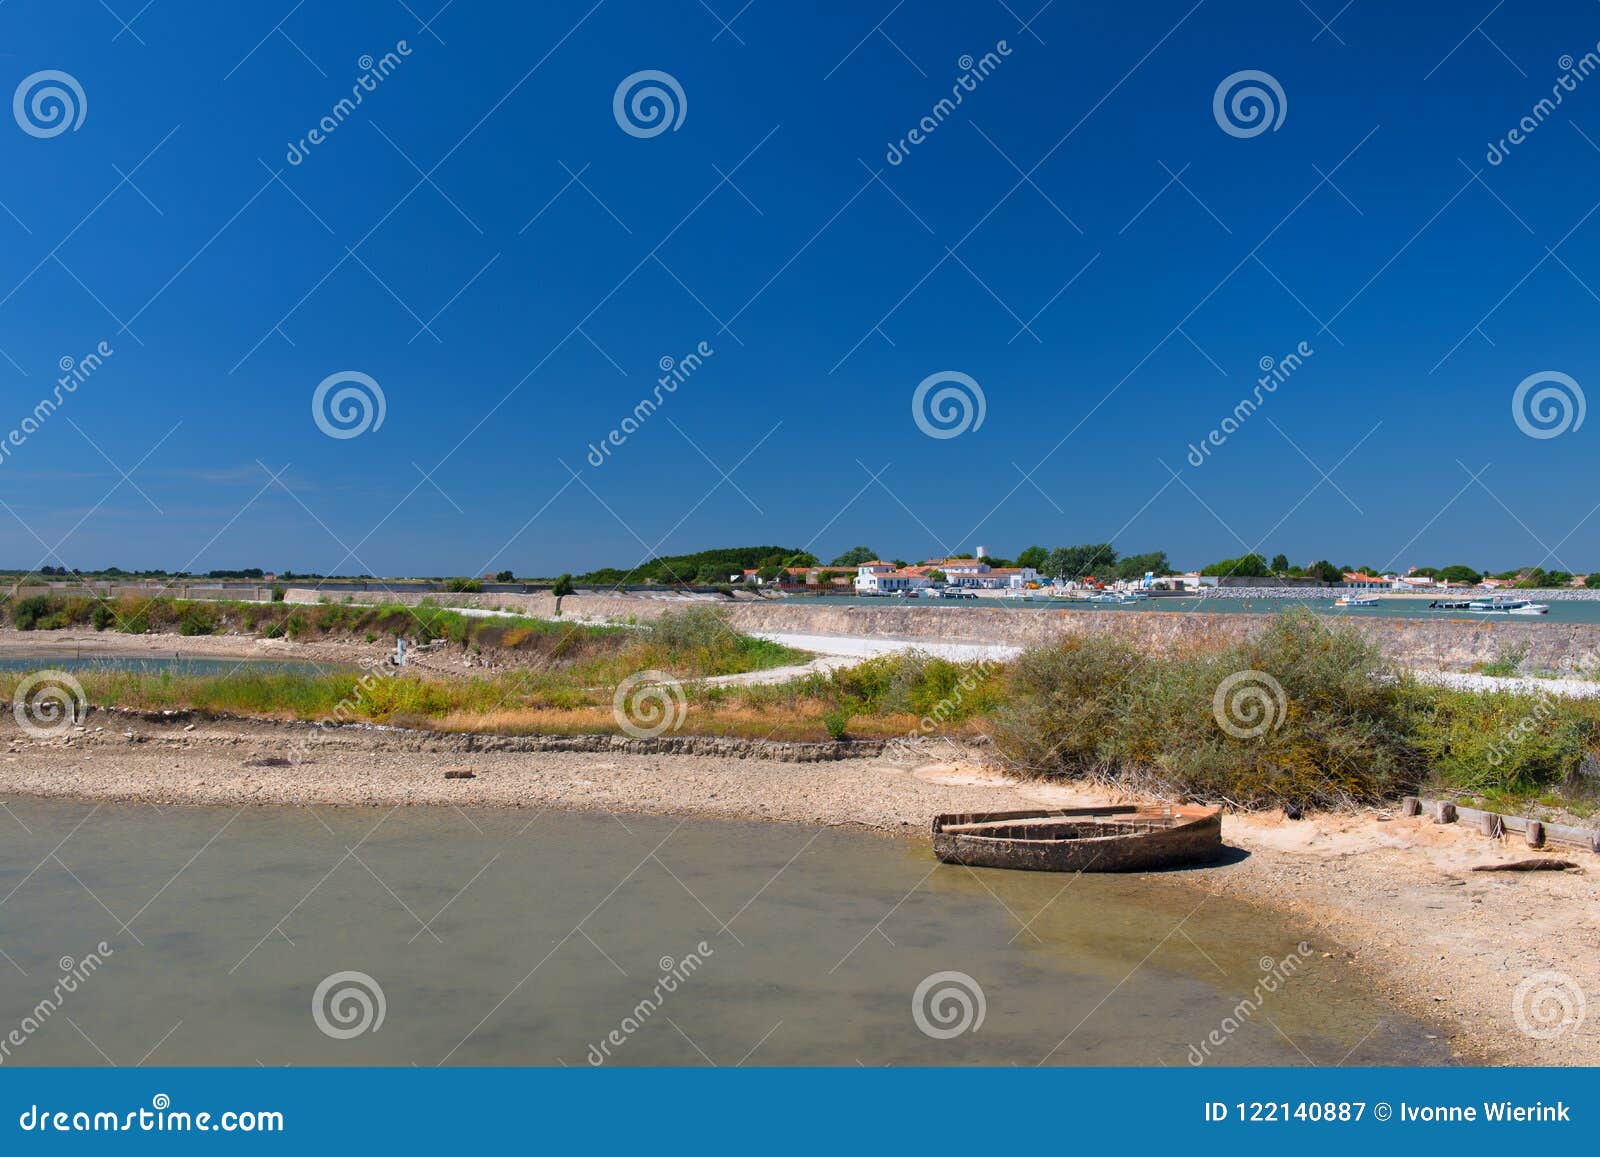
(1500,605)
(1356,601)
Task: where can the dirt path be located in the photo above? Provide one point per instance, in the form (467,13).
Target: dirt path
(1448,943)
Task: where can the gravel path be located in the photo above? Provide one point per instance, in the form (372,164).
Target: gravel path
(1566,688)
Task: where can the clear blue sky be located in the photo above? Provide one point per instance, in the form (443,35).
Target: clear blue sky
(1355,226)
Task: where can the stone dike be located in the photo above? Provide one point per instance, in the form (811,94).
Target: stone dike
(1443,644)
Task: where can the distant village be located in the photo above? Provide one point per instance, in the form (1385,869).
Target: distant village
(978,575)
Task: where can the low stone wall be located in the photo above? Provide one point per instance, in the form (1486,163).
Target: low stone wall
(1435,643)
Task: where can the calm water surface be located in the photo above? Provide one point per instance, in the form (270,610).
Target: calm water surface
(516,937)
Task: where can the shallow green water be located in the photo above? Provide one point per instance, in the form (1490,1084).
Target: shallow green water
(514,937)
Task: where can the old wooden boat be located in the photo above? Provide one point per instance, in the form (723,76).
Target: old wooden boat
(1111,838)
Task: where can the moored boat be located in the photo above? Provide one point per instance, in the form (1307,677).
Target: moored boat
(1502,605)
(1356,601)
(1111,838)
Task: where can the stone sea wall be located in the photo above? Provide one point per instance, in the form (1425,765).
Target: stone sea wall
(1434,643)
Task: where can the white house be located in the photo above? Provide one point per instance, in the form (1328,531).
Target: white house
(977,573)
(882,578)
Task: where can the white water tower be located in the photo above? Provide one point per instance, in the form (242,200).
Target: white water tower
(983,552)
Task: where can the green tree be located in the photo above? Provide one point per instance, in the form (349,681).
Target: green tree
(1593,581)
(1324,571)
(938,576)
(1076,562)
(1136,566)
(1245,566)
(505,576)
(855,556)
(1280,563)
(1460,575)
(1034,556)
(562,588)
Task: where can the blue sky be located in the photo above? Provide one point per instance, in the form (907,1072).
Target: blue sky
(1081,237)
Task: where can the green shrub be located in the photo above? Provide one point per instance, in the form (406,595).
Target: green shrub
(196,620)
(28,612)
(278,593)
(1306,714)
(102,616)
(1504,743)
(837,719)
(1063,705)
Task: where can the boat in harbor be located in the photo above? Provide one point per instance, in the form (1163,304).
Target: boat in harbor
(1356,601)
(1109,838)
(1500,605)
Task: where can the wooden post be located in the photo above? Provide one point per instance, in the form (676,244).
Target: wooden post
(1535,834)
(1444,812)
(1410,806)
(1491,825)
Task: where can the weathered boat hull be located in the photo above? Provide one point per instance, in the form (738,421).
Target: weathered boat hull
(1099,839)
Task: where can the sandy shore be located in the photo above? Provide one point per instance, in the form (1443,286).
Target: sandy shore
(1448,943)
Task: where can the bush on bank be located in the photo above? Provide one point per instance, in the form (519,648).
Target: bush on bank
(1306,714)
